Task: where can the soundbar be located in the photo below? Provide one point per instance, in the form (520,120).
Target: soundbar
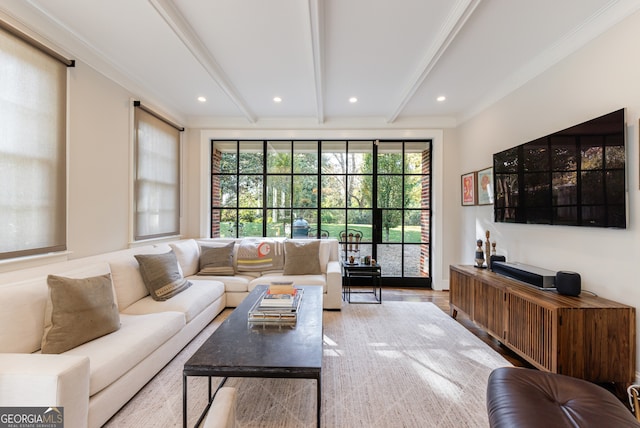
(533,275)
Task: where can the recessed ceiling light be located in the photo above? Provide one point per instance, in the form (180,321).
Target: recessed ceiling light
(441,98)
(277,99)
(353,100)
(202,99)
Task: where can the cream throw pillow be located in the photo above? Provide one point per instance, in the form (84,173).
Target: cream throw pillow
(302,258)
(162,275)
(78,311)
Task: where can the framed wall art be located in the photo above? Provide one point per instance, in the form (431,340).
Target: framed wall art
(468,189)
(484,181)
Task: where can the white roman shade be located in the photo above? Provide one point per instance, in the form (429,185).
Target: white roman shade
(157,176)
(33,97)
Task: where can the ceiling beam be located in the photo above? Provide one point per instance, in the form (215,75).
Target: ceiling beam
(459,15)
(198,49)
(316,27)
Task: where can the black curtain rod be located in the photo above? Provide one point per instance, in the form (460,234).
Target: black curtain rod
(157,116)
(36,44)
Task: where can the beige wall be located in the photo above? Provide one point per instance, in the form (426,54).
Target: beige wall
(99,129)
(602,77)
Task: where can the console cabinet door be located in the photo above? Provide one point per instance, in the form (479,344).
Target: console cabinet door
(489,308)
(531,331)
(461,291)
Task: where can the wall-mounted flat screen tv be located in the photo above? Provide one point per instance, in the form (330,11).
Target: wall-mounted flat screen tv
(573,177)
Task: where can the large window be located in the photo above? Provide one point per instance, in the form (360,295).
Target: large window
(33,99)
(157,177)
(373,196)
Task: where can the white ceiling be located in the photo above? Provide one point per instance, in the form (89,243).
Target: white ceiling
(395,56)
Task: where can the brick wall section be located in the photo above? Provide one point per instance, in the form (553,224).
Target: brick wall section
(216,157)
(424,216)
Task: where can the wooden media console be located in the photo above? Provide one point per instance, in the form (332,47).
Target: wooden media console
(586,336)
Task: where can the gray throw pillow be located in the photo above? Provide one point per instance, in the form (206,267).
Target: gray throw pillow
(78,311)
(162,275)
(216,260)
(302,258)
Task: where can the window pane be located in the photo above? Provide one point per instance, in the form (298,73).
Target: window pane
(305,223)
(334,157)
(250,191)
(412,191)
(305,191)
(305,157)
(333,191)
(228,221)
(227,196)
(361,221)
(412,226)
(360,157)
(360,191)
(390,158)
(251,157)
(390,259)
(415,155)
(278,157)
(279,191)
(278,222)
(391,225)
(390,191)
(225,158)
(334,222)
(250,223)
(416,261)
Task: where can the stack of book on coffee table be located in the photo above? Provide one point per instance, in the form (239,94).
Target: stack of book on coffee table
(279,303)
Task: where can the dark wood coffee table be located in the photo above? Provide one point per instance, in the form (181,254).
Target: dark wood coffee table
(239,348)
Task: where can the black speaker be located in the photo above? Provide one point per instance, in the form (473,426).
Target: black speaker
(495,258)
(568,283)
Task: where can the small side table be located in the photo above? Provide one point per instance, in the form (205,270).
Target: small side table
(357,270)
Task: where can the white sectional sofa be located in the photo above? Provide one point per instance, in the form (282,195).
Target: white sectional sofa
(93,380)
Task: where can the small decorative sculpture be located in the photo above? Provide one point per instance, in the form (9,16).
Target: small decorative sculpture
(479,254)
(487,246)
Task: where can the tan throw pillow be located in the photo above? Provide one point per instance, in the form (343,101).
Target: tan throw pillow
(162,275)
(216,260)
(78,311)
(302,258)
(259,255)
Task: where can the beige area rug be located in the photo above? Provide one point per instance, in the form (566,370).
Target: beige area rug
(399,364)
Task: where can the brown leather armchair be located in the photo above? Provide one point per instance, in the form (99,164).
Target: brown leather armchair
(527,398)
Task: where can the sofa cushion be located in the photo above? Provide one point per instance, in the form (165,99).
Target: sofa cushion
(302,258)
(78,310)
(191,302)
(259,255)
(113,355)
(266,279)
(187,253)
(235,283)
(162,275)
(216,260)
(127,280)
